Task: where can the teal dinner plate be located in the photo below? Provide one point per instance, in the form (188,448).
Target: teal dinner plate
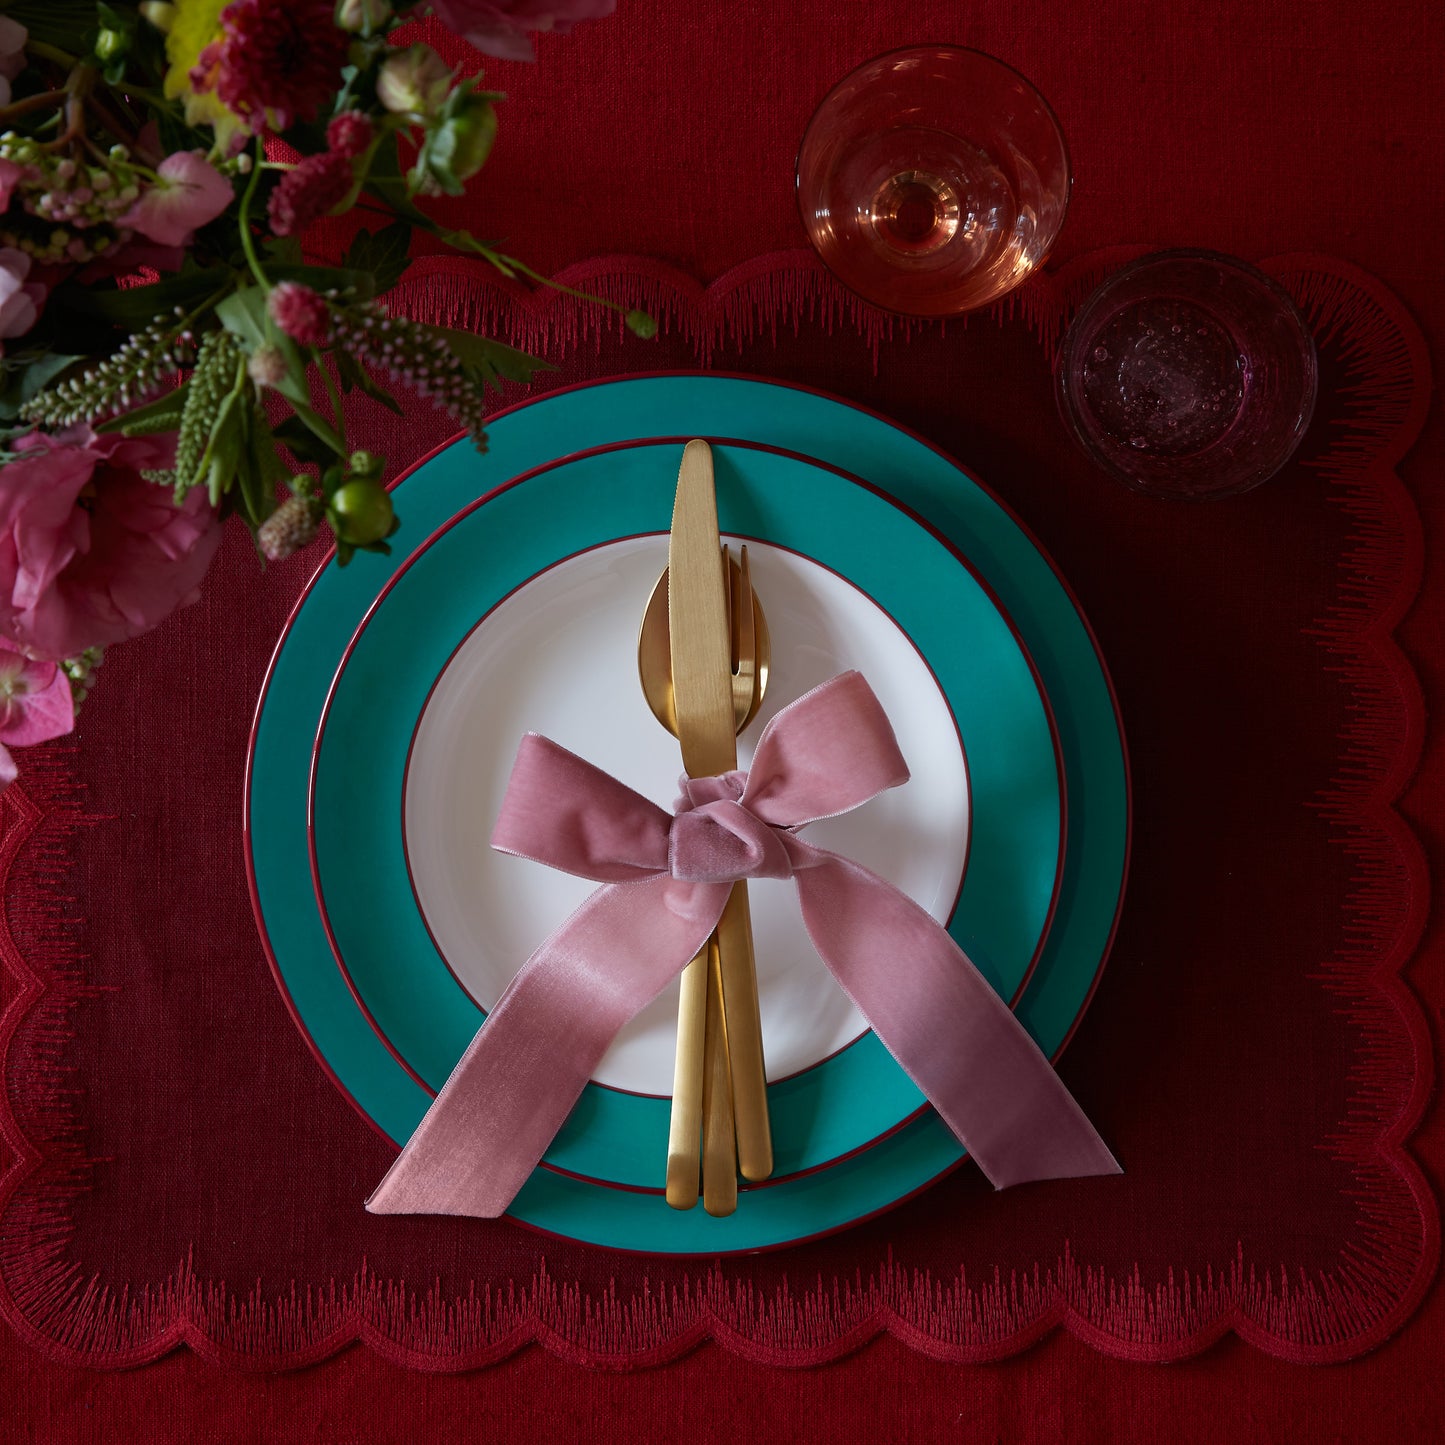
(468,567)
(789,418)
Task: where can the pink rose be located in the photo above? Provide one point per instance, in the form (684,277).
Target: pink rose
(190,192)
(36,704)
(20,300)
(499,27)
(90,552)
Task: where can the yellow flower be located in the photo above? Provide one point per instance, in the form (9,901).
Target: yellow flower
(195,25)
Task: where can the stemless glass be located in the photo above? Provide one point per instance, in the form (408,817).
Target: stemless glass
(933,180)
(1188,374)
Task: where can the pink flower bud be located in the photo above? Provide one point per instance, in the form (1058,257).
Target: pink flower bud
(267,366)
(350,133)
(362,17)
(414,81)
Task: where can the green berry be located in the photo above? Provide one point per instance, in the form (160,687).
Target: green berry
(361,513)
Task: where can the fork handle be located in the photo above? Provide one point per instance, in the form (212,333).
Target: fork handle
(719,1141)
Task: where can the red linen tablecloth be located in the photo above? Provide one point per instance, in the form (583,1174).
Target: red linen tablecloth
(1257,1052)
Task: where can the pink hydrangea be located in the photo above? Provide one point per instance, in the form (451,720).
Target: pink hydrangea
(36,704)
(90,551)
(20,298)
(190,192)
(500,27)
(13,36)
(10,176)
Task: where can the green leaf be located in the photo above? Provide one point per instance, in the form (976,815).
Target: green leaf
(492,358)
(220,460)
(383,256)
(135,424)
(259,468)
(120,20)
(56,22)
(163,414)
(133,306)
(327,278)
(355,377)
(244,314)
(303,443)
(320,428)
(283,250)
(386,181)
(248,488)
(24,376)
(433,164)
(459,141)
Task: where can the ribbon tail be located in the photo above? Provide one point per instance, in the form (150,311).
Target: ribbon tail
(513,1088)
(947,1028)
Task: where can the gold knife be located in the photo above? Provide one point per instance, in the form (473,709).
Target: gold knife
(702,697)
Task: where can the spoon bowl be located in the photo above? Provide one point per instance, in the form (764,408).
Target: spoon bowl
(654,653)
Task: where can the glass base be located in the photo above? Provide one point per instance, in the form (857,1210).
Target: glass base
(915,212)
(1166,376)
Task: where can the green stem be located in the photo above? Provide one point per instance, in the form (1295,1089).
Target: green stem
(152,98)
(187,321)
(335,399)
(318,428)
(43,51)
(42,101)
(248,242)
(464,241)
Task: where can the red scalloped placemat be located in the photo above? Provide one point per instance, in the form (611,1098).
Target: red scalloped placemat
(175,1168)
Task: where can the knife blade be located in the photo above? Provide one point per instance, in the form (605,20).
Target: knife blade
(700,642)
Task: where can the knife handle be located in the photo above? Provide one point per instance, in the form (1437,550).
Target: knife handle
(719,1143)
(684,1137)
(744,1036)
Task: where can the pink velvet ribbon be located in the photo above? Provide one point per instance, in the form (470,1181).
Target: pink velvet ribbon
(665,880)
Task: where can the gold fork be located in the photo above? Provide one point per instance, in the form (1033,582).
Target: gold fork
(743,1030)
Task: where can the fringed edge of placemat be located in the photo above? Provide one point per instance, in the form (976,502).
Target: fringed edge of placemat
(45,1297)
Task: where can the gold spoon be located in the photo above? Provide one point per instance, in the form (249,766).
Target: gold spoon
(699,1047)
(750,663)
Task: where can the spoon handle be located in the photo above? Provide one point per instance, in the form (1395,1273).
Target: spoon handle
(684,1136)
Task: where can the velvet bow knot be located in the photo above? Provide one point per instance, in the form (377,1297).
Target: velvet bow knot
(719,840)
(665,880)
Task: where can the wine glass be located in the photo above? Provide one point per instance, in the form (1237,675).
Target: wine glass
(932,180)
(1188,374)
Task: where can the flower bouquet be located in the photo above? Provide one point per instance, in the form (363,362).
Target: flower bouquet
(168,356)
